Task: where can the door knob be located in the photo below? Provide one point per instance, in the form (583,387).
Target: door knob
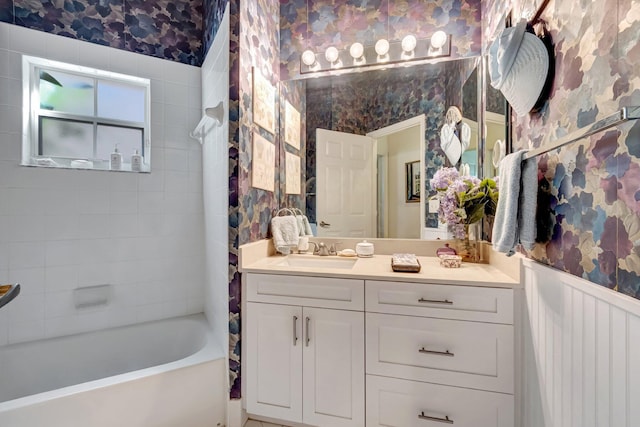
(324,224)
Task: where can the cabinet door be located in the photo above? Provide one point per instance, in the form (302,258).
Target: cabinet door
(333,368)
(274,361)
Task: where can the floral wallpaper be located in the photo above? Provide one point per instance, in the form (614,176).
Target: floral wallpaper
(319,24)
(213,13)
(235,285)
(589,202)
(169,29)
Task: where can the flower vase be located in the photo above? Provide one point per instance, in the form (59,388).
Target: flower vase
(469,246)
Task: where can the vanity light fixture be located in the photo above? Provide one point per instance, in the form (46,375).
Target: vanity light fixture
(380,55)
(409,44)
(332,55)
(438,40)
(382,49)
(308,58)
(357,53)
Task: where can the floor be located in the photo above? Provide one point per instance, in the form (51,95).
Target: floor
(254,423)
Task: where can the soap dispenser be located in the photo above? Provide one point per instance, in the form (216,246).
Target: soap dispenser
(116,159)
(136,161)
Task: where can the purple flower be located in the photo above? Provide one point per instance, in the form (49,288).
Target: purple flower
(463,199)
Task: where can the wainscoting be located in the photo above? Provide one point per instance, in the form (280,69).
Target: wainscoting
(581,345)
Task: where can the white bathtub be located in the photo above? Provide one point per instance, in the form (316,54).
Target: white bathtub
(164,373)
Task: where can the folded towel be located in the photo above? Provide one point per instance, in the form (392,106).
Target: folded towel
(307,227)
(528,204)
(300,222)
(515,215)
(284,230)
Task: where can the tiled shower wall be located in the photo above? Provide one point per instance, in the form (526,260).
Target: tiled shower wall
(64,229)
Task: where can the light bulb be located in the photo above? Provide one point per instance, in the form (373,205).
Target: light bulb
(409,43)
(438,39)
(331,54)
(356,50)
(382,47)
(308,57)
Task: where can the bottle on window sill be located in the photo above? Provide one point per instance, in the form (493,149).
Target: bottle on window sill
(116,159)
(136,161)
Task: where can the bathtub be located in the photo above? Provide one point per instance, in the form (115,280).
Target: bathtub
(164,373)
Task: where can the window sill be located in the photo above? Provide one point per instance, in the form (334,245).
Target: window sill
(82,165)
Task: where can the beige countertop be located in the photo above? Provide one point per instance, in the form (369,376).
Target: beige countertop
(379,268)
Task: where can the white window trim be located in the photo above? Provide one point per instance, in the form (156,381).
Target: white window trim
(31,106)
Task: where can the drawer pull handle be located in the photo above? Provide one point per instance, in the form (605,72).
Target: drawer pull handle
(295,330)
(439,353)
(307,321)
(445,420)
(435,301)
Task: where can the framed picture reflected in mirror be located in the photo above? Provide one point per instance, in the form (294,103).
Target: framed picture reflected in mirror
(412,179)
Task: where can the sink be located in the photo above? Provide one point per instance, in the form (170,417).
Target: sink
(318,262)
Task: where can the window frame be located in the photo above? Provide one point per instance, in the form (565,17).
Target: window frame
(32,145)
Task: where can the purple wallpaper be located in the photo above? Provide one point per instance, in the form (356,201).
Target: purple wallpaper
(235,286)
(589,203)
(212,18)
(318,24)
(168,29)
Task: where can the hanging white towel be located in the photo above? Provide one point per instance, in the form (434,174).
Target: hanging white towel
(515,215)
(284,230)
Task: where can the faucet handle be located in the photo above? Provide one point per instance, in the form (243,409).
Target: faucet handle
(333,249)
(316,249)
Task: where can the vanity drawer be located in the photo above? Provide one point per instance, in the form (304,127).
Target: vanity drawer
(345,294)
(401,403)
(452,352)
(492,305)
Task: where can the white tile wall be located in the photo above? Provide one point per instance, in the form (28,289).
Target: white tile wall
(63,229)
(215,167)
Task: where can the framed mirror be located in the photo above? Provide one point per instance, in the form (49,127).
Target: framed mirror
(364,103)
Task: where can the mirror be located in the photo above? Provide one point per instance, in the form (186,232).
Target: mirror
(365,102)
(497,126)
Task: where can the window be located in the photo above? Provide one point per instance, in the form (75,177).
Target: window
(78,116)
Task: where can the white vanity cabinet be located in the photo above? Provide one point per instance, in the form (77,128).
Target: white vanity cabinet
(305,349)
(439,354)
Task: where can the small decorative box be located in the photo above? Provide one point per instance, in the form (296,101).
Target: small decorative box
(405,263)
(450,261)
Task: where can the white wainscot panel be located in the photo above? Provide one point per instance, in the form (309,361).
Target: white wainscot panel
(581,353)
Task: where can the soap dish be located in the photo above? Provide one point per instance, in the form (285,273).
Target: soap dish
(405,263)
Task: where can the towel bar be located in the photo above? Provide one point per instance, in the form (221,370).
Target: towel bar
(623,115)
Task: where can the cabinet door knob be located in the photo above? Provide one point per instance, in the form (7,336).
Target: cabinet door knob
(435,301)
(295,330)
(445,420)
(439,353)
(307,321)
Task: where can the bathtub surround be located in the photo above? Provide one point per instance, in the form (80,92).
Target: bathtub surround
(215,172)
(65,229)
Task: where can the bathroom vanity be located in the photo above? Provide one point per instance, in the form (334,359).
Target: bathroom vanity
(351,343)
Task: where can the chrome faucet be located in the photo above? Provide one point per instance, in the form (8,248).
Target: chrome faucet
(323,250)
(320,249)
